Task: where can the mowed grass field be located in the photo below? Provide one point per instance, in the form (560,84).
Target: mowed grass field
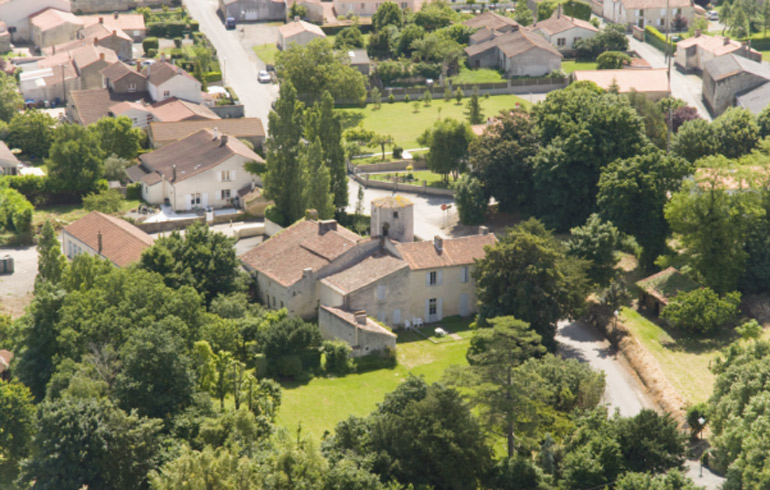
(318,405)
(400,121)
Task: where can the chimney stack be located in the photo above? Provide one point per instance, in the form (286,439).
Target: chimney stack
(101,20)
(307,272)
(483,230)
(99,242)
(311,214)
(116,15)
(727,40)
(360,316)
(223,139)
(326,225)
(438,242)
(96,41)
(216,133)
(173,173)
(114,33)
(101,56)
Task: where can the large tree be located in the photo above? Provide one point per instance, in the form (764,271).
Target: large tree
(117,136)
(323,123)
(632,194)
(51,262)
(316,68)
(283,179)
(388,14)
(75,160)
(10,98)
(448,140)
(695,139)
(17,426)
(596,242)
(736,131)
(31,132)
(317,181)
(528,275)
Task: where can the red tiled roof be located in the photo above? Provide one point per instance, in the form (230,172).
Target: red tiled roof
(175,110)
(122,242)
(118,70)
(6,357)
(455,251)
(166,132)
(91,105)
(491,21)
(350,317)
(51,18)
(162,71)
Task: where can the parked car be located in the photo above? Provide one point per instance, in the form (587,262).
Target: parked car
(713,15)
(264,77)
(230,23)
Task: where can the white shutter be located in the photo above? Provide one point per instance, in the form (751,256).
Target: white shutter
(232,175)
(188,201)
(396,317)
(439,309)
(440,277)
(427,278)
(218,194)
(219,177)
(427,310)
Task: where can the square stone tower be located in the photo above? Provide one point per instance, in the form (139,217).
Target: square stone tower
(393,217)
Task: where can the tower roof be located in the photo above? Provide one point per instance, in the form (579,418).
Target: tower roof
(392,202)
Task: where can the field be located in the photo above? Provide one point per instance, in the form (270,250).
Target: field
(480,75)
(266,52)
(433,180)
(405,125)
(568,66)
(322,402)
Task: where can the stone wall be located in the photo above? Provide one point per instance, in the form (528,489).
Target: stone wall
(94,6)
(398,166)
(228,111)
(362,340)
(401,187)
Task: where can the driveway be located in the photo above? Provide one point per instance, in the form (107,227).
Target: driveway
(16,289)
(686,87)
(239,66)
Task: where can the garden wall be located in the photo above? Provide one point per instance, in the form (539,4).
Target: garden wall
(94,6)
(401,187)
(162,226)
(398,166)
(228,111)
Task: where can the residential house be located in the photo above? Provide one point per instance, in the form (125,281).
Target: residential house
(140,114)
(693,53)
(651,82)
(657,13)
(114,39)
(253,10)
(165,80)
(48,83)
(120,78)
(729,76)
(317,12)
(299,32)
(5,38)
(9,164)
(516,53)
(85,107)
(175,110)
(6,357)
(53,26)
(131,24)
(205,169)
(367,8)
(16,15)
(321,269)
(248,128)
(755,100)
(359,60)
(111,238)
(563,31)
(492,22)
(89,61)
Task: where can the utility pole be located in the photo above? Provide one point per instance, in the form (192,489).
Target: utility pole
(668,73)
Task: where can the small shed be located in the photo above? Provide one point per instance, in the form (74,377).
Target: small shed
(658,289)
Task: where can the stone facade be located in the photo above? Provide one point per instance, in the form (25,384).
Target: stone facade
(393,217)
(363,335)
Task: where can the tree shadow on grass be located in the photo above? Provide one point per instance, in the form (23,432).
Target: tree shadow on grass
(691,343)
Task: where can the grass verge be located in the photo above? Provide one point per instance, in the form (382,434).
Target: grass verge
(479,75)
(266,52)
(568,66)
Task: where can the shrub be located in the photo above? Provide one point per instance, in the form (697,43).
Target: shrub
(471,200)
(612,60)
(150,43)
(274,214)
(288,366)
(194,26)
(658,39)
(397,152)
(108,201)
(176,53)
(34,188)
(213,76)
(337,354)
(178,42)
(15,212)
(151,53)
(694,414)
(134,191)
(391,99)
(407,98)
(702,310)
(576,8)
(175,28)
(156,29)
(382,359)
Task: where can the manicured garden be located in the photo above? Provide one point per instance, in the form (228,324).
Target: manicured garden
(400,120)
(266,52)
(322,402)
(568,66)
(433,179)
(479,75)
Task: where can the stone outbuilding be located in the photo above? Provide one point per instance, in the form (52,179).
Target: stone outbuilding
(657,290)
(53,26)
(253,10)
(728,76)
(393,217)
(299,32)
(364,335)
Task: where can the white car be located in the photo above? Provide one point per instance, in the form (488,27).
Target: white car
(264,77)
(713,15)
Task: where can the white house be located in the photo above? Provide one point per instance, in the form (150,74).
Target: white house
(693,53)
(563,31)
(367,8)
(641,13)
(165,80)
(517,53)
(16,15)
(203,170)
(253,10)
(299,32)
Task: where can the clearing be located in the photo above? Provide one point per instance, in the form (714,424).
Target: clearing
(266,52)
(64,214)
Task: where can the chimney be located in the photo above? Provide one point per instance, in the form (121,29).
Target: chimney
(311,214)
(727,40)
(558,12)
(697,32)
(53,49)
(224,140)
(96,41)
(438,242)
(360,316)
(116,15)
(101,56)
(99,242)
(114,33)
(483,230)
(307,272)
(296,18)
(326,225)
(101,20)
(216,133)
(173,173)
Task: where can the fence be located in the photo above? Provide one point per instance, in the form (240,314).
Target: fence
(399,166)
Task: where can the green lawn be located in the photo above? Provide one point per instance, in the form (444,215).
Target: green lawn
(65,214)
(322,402)
(568,66)
(405,125)
(388,158)
(433,179)
(266,52)
(479,75)
(684,359)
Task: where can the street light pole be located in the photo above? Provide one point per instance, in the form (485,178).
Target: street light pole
(702,423)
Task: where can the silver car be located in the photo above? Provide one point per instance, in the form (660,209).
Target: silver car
(264,77)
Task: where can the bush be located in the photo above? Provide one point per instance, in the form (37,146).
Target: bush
(213,76)
(134,191)
(15,212)
(175,28)
(391,99)
(32,187)
(274,214)
(398,152)
(337,355)
(407,98)
(658,39)
(151,53)
(177,42)
(702,310)
(612,60)
(578,9)
(156,29)
(107,201)
(383,359)
(176,53)
(288,366)
(694,414)
(150,43)
(194,26)
(471,200)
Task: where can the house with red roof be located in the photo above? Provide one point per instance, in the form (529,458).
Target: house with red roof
(111,238)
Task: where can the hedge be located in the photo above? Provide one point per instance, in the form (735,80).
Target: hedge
(156,29)
(134,191)
(577,9)
(35,189)
(175,28)
(150,43)
(194,26)
(15,211)
(213,76)
(657,39)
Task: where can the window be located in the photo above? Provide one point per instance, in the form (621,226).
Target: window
(380,292)
(432,306)
(132,87)
(403,5)
(395,214)
(225,176)
(433,278)
(638,12)
(464,274)
(195,199)
(166,93)
(662,11)
(226,194)
(561,42)
(661,21)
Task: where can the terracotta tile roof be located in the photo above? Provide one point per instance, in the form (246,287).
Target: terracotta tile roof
(455,251)
(175,110)
(122,107)
(7,158)
(391,202)
(716,45)
(350,317)
(194,154)
(162,71)
(52,18)
(491,21)
(644,81)
(559,23)
(118,70)
(125,22)
(302,245)
(370,270)
(90,54)
(655,4)
(299,26)
(91,105)
(483,34)
(122,242)
(513,44)
(102,32)
(6,357)
(167,132)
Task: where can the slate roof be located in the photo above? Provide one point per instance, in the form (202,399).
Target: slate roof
(370,270)
(192,155)
(303,245)
(455,251)
(167,132)
(755,100)
(350,317)
(732,64)
(122,242)
(513,44)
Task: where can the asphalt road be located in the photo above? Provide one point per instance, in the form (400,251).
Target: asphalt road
(239,67)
